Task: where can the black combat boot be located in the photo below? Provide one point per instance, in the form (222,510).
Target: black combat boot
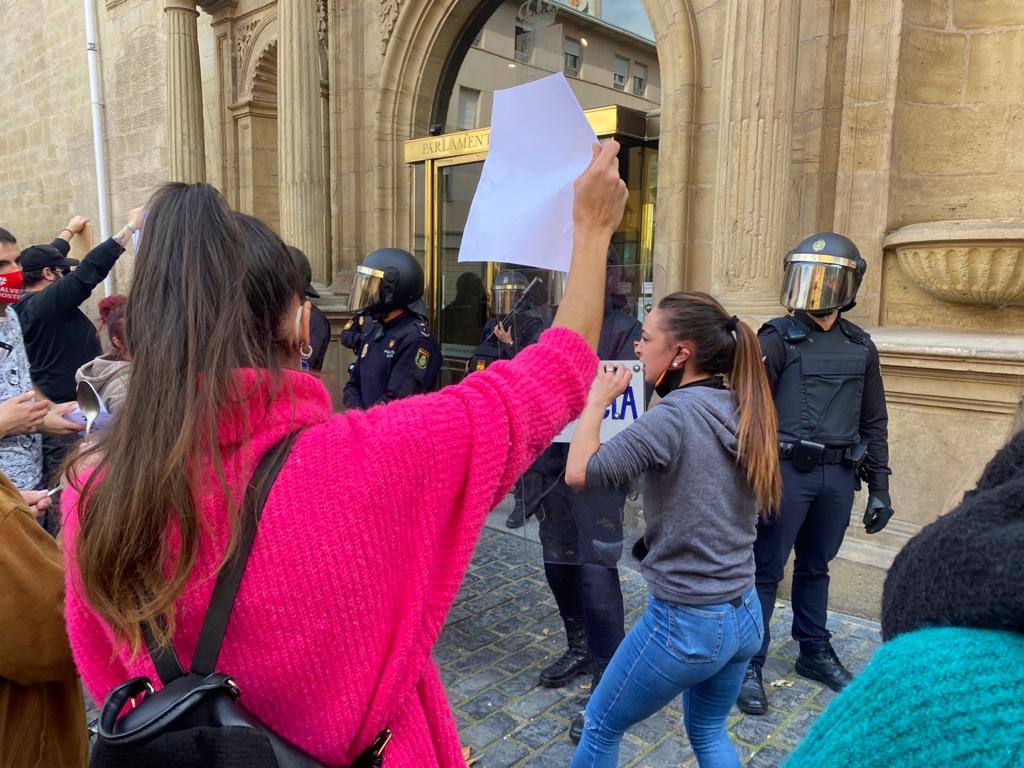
(752,698)
(517,517)
(824,666)
(574,662)
(576,729)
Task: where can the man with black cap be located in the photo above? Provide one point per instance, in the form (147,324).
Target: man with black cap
(59,338)
(319,326)
(833,431)
(400,357)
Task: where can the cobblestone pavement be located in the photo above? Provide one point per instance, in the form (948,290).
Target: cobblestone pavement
(504,628)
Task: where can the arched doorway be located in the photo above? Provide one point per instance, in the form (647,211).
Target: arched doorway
(417,45)
(256,128)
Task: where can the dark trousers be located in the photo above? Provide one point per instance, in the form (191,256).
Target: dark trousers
(592,593)
(812,519)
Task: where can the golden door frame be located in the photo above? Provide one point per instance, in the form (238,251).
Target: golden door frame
(433,153)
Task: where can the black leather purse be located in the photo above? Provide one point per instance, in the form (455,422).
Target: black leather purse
(195,718)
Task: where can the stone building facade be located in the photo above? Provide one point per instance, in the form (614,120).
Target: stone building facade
(897,122)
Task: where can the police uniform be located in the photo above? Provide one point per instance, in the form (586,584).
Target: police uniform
(399,358)
(827,388)
(833,429)
(353,331)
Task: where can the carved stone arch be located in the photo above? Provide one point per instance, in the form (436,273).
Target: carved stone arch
(263,85)
(255,41)
(415,40)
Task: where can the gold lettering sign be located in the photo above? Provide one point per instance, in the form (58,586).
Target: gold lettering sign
(447,146)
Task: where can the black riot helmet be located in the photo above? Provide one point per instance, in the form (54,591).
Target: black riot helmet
(387,279)
(508,288)
(822,274)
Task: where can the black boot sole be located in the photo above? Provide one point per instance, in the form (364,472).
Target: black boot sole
(750,708)
(564,680)
(811,674)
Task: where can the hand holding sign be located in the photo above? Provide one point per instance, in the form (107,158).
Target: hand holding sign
(610,382)
(616,396)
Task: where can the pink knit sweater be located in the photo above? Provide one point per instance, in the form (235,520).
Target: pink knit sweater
(363,542)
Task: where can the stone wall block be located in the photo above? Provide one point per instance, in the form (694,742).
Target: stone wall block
(931,62)
(979,14)
(996,69)
(927,13)
(951,139)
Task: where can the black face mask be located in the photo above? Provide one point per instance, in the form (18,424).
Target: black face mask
(820,313)
(670,378)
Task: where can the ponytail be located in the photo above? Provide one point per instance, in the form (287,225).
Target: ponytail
(758,432)
(727,346)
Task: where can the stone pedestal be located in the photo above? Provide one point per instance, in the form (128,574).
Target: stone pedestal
(300,135)
(185,141)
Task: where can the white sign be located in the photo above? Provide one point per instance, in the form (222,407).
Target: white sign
(626,409)
(522,211)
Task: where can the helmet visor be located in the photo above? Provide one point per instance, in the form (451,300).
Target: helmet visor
(505,297)
(818,282)
(366,284)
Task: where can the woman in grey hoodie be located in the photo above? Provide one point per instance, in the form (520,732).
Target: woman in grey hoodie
(108,373)
(710,458)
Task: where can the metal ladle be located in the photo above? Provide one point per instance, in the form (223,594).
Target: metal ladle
(88,403)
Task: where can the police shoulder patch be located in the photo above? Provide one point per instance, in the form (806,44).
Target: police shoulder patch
(347,325)
(422,358)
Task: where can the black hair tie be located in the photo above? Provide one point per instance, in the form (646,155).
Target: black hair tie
(732,323)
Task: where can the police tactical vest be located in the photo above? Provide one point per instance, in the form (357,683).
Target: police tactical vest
(819,391)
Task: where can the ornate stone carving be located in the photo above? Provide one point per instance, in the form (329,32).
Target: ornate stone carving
(321,22)
(966,262)
(244,34)
(389,10)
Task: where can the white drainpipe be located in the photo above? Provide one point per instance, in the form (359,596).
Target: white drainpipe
(98,140)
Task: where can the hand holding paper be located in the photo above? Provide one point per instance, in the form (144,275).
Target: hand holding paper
(522,211)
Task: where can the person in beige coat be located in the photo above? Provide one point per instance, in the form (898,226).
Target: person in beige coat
(108,373)
(42,712)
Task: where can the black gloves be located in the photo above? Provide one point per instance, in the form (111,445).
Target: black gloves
(879,511)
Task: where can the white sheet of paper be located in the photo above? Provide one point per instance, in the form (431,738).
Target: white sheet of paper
(522,211)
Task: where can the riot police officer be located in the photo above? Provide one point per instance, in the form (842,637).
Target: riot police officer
(514,325)
(833,430)
(400,356)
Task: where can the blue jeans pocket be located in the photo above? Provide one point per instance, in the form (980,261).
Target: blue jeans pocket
(694,635)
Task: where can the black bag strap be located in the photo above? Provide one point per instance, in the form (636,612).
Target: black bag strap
(218,613)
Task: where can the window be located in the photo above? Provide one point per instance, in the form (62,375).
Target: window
(620,74)
(524,43)
(639,79)
(571,54)
(469,105)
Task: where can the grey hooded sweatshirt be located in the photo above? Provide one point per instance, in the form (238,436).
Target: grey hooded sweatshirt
(109,378)
(700,510)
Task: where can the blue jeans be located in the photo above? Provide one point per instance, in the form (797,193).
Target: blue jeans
(700,652)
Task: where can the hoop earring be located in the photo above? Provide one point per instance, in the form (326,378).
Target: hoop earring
(306,351)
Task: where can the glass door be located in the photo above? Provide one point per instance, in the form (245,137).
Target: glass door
(459,290)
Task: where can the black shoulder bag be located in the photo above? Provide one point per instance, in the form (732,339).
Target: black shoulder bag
(195,719)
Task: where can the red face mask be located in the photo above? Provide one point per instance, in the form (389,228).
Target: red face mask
(10,287)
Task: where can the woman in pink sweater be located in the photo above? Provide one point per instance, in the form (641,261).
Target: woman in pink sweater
(371,523)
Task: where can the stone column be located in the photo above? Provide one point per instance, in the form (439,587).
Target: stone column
(185,142)
(759,69)
(300,134)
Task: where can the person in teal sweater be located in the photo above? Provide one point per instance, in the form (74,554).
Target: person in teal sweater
(947,686)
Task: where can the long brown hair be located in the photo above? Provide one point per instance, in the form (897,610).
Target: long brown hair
(200,307)
(720,350)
